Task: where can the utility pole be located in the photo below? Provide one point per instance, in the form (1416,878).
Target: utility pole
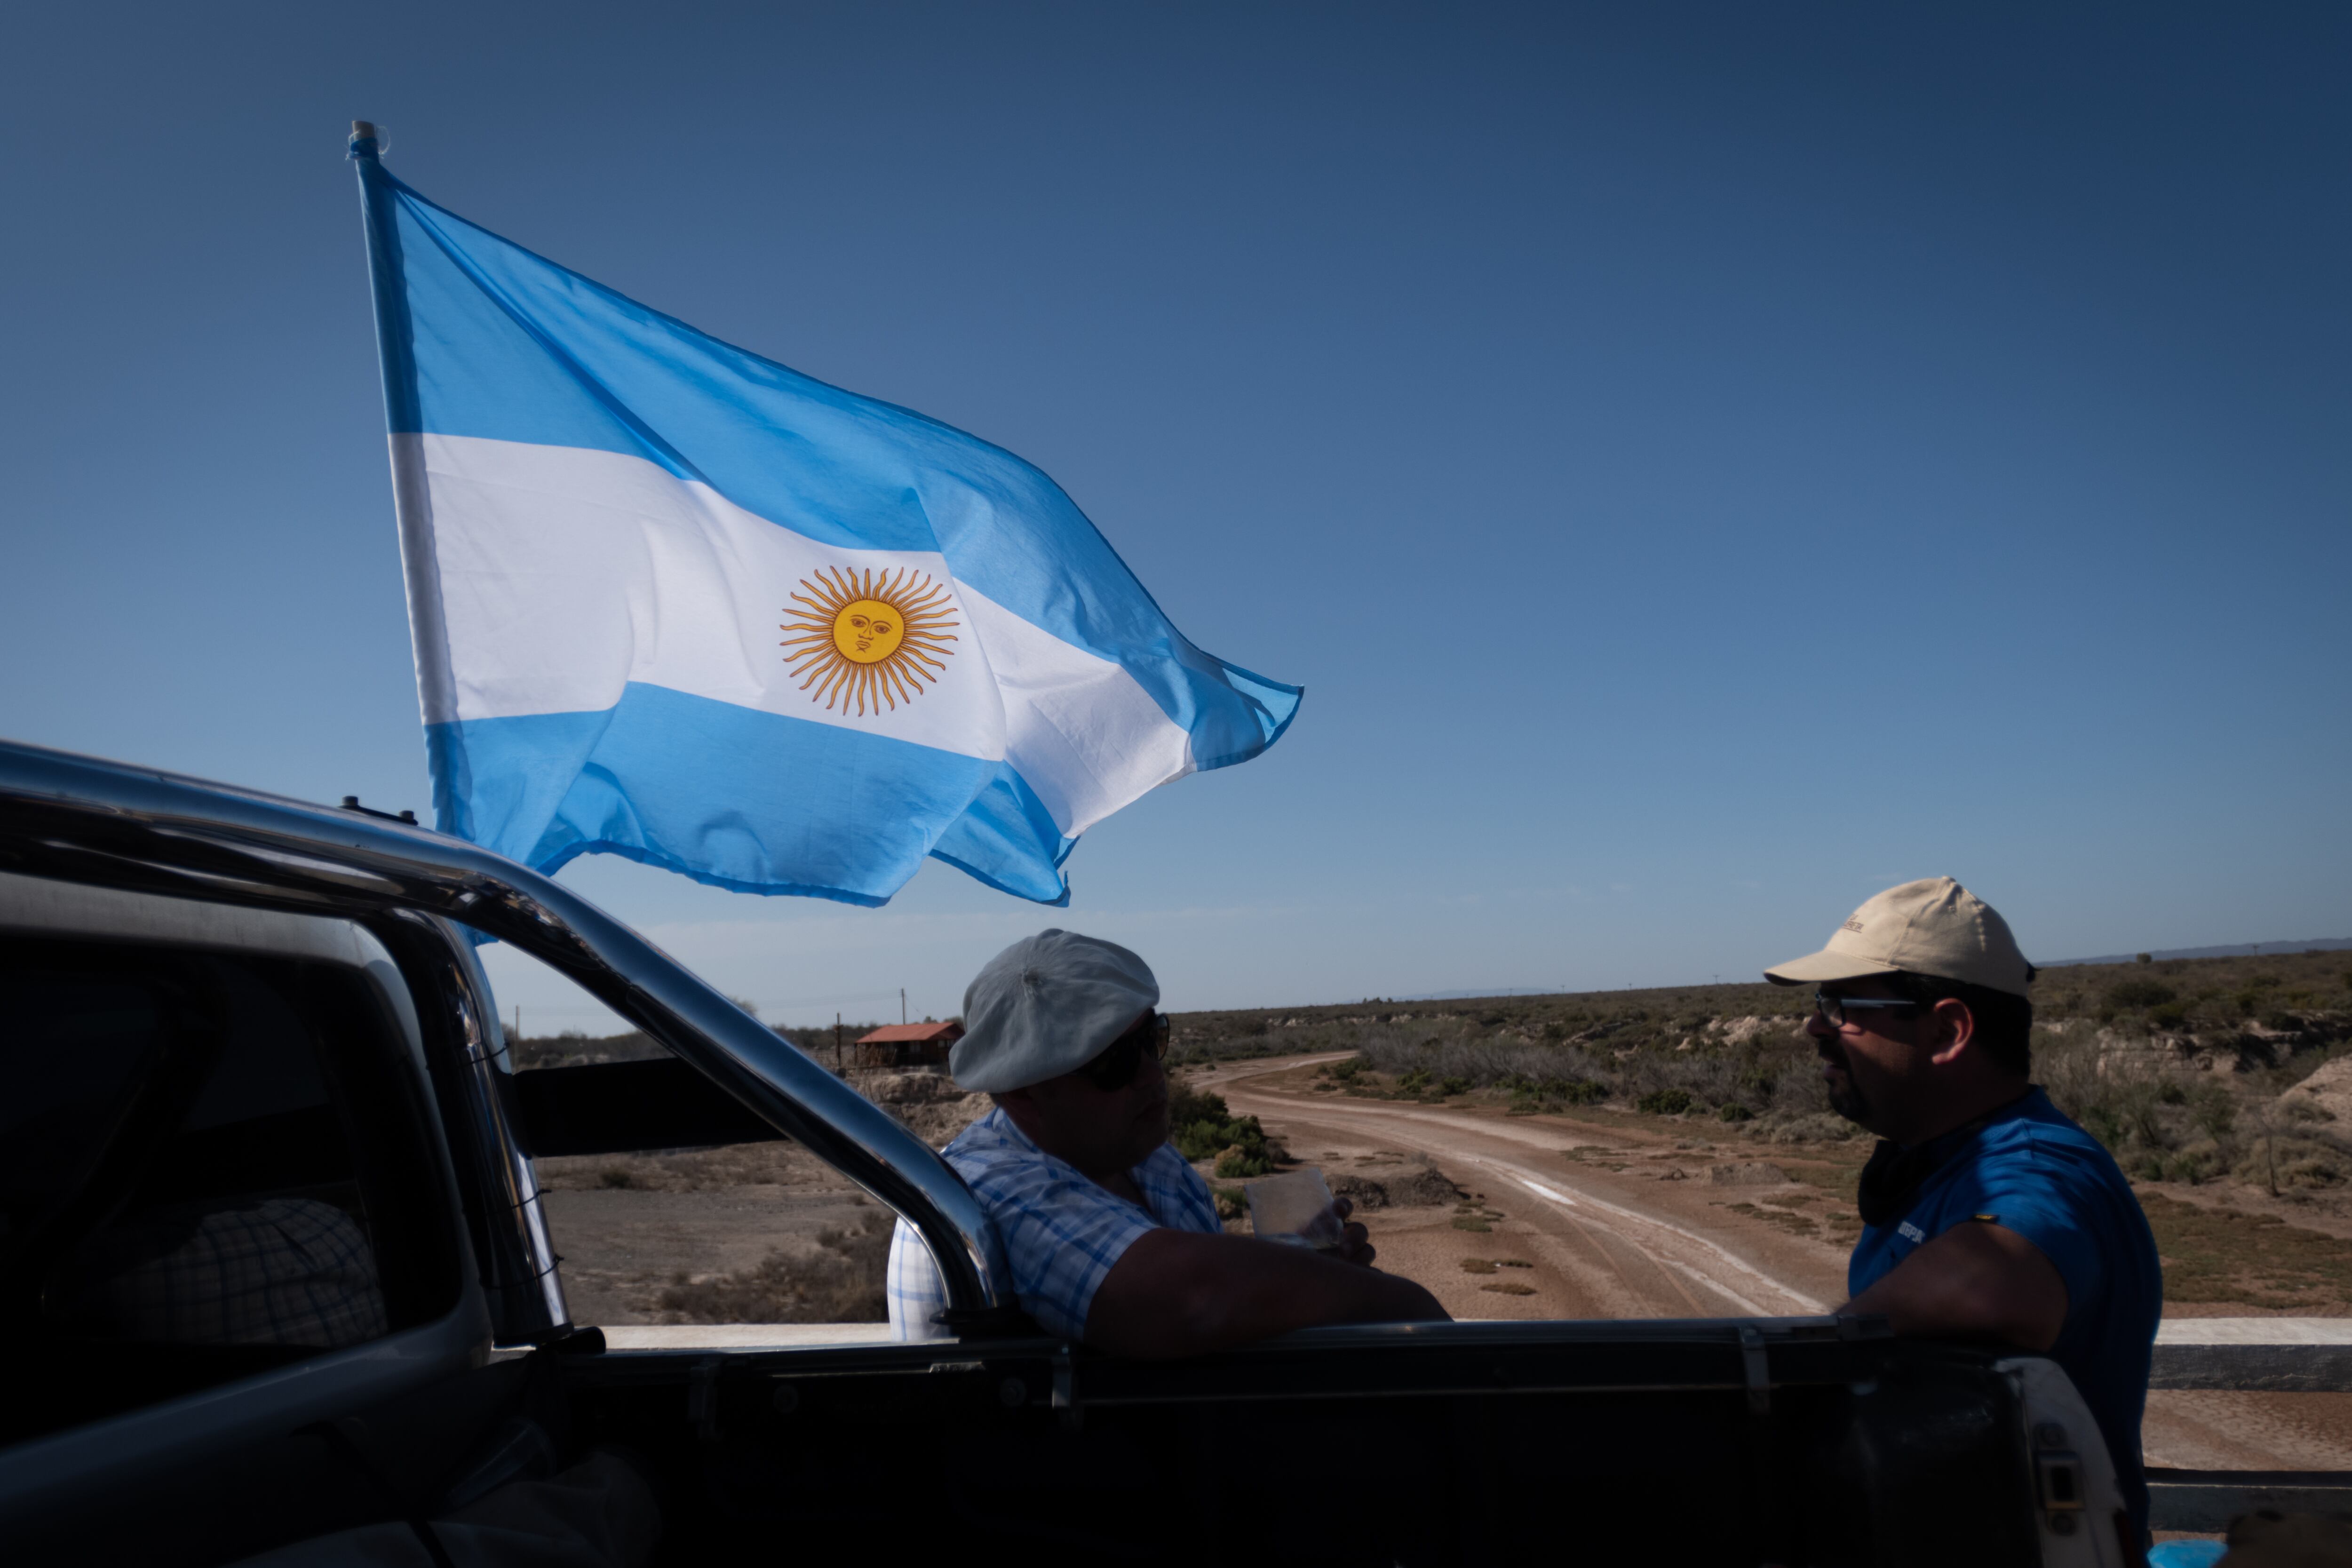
(902,1005)
(836,1042)
(518,1020)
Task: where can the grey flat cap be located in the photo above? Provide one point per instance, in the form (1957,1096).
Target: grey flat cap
(1047,1005)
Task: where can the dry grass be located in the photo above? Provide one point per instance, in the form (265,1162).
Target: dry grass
(2167,1114)
(840,1282)
(573,1048)
(2227,1256)
(1736,1049)
(1786,1220)
(1408,1186)
(729,1165)
(2175,1066)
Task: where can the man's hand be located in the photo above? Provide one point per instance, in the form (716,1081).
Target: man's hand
(1355,1241)
(1976,1281)
(1179,1292)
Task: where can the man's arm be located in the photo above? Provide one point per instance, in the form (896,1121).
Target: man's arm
(1178,1292)
(1976,1280)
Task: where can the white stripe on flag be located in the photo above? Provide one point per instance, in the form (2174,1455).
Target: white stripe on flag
(1077,727)
(563,573)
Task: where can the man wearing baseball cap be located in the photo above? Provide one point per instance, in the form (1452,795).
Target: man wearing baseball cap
(1986,1213)
(1110,1236)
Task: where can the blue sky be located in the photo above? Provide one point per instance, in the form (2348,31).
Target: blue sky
(1705,462)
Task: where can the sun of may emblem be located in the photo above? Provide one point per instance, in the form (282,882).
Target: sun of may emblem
(868,638)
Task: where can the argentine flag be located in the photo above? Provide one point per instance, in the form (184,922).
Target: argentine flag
(674,601)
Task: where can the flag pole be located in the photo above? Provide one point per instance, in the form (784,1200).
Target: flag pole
(395,340)
(395,357)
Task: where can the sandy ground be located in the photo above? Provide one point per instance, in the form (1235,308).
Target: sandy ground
(619,1248)
(1655,1238)
(687,1215)
(1619,1222)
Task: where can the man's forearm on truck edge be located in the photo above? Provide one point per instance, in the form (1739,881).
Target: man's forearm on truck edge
(1175,1293)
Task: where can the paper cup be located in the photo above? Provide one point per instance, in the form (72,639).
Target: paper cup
(1294,1208)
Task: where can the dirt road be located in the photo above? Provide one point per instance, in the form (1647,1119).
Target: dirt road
(1613,1228)
(1589,1220)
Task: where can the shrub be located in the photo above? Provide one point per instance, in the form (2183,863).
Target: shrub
(1237,1161)
(1391,1048)
(1732,1110)
(1664,1102)
(1203,1127)
(2162,1125)
(1820,1126)
(2192,1165)
(1528,1095)
(1453,1086)
(1704,1078)
(1186,1106)
(2139,993)
(2313,1170)
(1207,1139)
(2214,1109)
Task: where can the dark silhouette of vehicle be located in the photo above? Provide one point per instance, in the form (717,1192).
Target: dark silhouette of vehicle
(274,1267)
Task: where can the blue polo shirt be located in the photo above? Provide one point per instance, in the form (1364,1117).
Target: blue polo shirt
(2030,1169)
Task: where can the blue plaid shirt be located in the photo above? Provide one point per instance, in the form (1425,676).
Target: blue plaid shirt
(1062,1232)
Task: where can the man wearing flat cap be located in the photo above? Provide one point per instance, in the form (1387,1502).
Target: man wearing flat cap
(1987,1213)
(1112,1239)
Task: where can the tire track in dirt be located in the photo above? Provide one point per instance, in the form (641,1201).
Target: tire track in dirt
(1654,1265)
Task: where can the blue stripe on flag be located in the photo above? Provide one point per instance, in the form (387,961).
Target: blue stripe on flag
(851,820)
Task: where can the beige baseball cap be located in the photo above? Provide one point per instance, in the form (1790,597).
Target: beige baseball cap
(1932,927)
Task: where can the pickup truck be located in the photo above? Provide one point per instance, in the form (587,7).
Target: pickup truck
(277,1275)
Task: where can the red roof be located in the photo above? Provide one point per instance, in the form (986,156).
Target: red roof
(892,1033)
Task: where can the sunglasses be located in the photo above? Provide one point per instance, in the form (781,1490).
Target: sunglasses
(1116,1066)
(1835,1008)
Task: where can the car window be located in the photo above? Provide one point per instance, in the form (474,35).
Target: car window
(203,1160)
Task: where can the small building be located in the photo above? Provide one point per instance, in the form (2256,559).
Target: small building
(908,1045)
